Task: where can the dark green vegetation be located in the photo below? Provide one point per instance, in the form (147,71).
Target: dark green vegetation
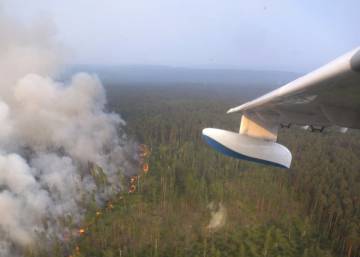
(313,209)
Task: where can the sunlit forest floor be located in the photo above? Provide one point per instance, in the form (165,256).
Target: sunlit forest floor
(196,202)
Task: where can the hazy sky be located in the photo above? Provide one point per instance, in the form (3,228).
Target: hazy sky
(265,34)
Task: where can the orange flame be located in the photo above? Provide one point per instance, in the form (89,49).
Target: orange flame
(132,189)
(81,231)
(146,167)
(133,179)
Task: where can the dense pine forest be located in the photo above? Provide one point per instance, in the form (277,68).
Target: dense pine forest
(195,202)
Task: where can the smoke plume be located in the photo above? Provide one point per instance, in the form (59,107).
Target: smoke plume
(52,134)
(218,216)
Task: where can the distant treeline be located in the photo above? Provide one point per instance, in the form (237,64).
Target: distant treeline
(171,76)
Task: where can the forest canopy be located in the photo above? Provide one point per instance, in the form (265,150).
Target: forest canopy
(310,210)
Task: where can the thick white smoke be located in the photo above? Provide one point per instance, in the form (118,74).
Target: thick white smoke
(51,134)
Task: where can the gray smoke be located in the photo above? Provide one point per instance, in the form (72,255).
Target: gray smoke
(51,135)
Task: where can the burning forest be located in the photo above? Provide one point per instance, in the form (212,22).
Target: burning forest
(133,182)
(60,151)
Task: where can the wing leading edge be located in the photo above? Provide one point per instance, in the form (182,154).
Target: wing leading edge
(325,97)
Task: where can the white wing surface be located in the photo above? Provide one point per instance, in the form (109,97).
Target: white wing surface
(328,96)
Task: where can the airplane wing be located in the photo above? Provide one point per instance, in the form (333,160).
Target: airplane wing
(325,97)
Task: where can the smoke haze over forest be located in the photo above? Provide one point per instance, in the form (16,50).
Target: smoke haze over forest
(50,134)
